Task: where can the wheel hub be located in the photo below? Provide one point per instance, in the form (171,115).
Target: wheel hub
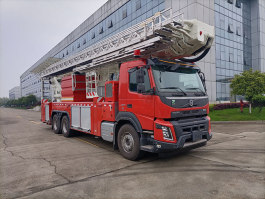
(127,142)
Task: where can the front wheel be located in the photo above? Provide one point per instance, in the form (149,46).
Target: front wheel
(66,131)
(129,142)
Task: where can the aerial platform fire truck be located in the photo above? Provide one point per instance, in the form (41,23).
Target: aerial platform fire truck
(139,89)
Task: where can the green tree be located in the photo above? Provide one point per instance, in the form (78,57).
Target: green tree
(248,84)
(259,101)
(31,100)
(3,101)
(28,101)
(23,101)
(19,101)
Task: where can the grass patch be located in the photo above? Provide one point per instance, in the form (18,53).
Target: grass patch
(234,114)
(211,107)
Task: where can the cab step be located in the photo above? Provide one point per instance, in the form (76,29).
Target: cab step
(148,148)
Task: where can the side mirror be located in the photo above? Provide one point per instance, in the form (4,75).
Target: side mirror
(202,76)
(140,88)
(151,91)
(140,76)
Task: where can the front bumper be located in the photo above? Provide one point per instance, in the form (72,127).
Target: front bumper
(184,142)
(189,133)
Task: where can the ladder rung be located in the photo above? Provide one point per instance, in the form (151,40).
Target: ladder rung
(129,37)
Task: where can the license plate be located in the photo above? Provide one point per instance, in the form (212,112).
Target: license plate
(196,136)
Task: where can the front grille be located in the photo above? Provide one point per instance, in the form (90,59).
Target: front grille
(186,130)
(180,115)
(195,111)
(185,127)
(186,112)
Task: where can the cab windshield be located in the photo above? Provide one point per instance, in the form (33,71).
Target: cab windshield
(183,81)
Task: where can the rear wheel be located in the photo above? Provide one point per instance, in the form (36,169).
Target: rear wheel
(56,124)
(66,131)
(129,142)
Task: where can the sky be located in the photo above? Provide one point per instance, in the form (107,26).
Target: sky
(30,28)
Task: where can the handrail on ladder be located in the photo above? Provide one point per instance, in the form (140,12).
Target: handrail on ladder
(128,37)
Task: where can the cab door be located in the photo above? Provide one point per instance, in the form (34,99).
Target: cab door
(140,103)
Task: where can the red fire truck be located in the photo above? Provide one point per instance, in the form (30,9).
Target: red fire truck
(143,104)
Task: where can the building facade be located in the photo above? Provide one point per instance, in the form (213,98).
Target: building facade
(239,37)
(31,85)
(15,93)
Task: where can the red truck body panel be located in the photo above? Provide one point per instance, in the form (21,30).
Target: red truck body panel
(73,88)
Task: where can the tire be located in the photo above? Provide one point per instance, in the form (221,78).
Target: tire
(56,126)
(65,126)
(129,142)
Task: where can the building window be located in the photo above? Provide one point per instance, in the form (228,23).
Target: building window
(138,4)
(67,52)
(124,13)
(230,1)
(239,59)
(231,57)
(230,28)
(110,24)
(101,30)
(238,31)
(93,35)
(84,41)
(63,55)
(222,24)
(78,45)
(246,36)
(238,3)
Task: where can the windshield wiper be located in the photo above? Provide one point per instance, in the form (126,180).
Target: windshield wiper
(201,91)
(175,88)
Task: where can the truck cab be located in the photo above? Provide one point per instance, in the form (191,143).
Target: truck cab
(166,104)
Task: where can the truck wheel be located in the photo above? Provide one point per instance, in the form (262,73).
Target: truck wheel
(129,142)
(56,124)
(66,131)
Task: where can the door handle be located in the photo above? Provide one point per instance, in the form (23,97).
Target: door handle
(129,105)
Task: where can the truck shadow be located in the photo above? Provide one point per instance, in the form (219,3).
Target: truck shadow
(99,142)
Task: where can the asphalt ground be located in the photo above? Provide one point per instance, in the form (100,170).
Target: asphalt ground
(36,163)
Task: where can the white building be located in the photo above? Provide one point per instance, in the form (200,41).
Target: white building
(239,37)
(15,93)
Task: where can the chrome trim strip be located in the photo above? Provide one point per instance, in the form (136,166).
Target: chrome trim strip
(188,144)
(149,132)
(194,98)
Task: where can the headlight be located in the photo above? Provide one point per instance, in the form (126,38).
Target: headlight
(167,134)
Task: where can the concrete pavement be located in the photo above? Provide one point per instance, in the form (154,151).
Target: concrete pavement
(36,163)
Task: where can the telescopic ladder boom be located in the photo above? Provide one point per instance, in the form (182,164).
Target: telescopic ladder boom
(163,35)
